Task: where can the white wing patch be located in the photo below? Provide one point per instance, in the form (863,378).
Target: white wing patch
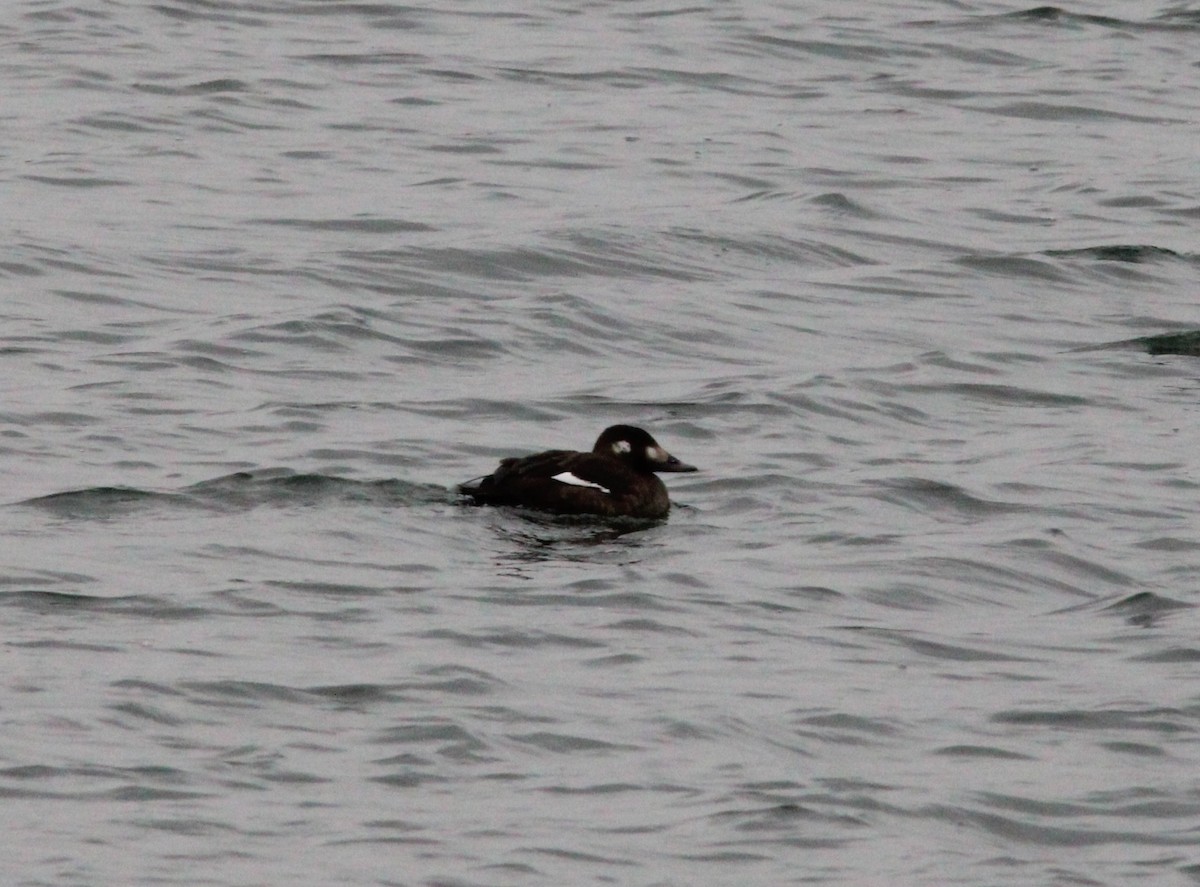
(567,478)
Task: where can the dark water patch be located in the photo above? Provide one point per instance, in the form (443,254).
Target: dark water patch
(986,752)
(1020,267)
(1184,18)
(651,626)
(1137,749)
(142,712)
(450,350)
(19,581)
(844,728)
(856,540)
(203,87)
(72,646)
(1145,609)
(577,857)
(1169,544)
(79,181)
(618,660)
(603,788)
(454,681)
(567,743)
(1134,253)
(364,697)
(449,680)
(993,215)
(101,502)
(815,593)
(1185,343)
(61,418)
(407,780)
(1058,15)
(451,739)
(356,225)
(840,204)
(242,694)
(94,337)
(1180,655)
(394,59)
(157,774)
(216,350)
(133,794)
(486,147)
(145,687)
(212,11)
(1068,114)
(19,269)
(1130,265)
(189,827)
(523,639)
(579,595)
(919,90)
(1171,20)
(1164,721)
(617,78)
(1135,201)
(118,122)
(52,602)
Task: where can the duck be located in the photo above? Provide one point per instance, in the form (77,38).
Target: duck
(618,478)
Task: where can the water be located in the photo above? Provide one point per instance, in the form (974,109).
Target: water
(276,276)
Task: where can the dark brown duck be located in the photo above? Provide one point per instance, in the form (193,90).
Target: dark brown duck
(617,478)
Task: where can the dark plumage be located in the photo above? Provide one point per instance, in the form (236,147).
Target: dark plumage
(617,478)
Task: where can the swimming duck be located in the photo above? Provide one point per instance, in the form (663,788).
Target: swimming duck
(617,478)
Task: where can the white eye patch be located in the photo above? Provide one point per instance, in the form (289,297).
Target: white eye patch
(621,447)
(567,478)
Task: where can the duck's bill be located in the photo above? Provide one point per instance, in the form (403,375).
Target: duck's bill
(673,464)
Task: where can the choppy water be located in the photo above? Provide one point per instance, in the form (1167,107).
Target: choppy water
(276,275)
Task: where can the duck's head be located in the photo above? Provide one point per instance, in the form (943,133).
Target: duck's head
(638,448)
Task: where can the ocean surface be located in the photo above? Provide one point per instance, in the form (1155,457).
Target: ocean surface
(906,280)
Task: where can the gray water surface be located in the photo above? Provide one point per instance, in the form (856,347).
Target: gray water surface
(277,275)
